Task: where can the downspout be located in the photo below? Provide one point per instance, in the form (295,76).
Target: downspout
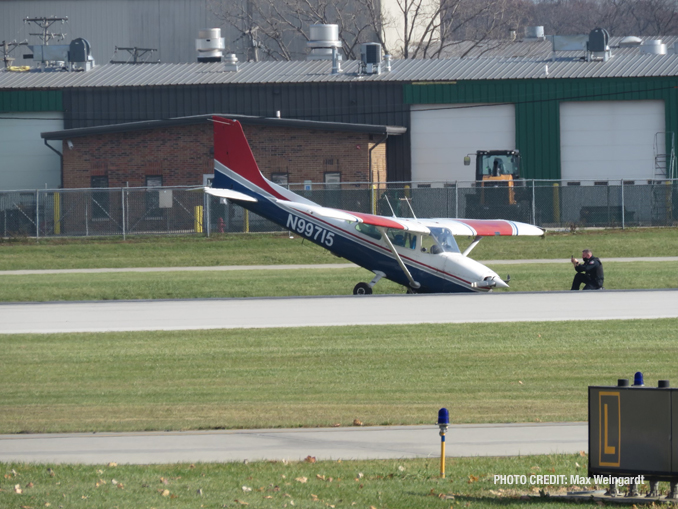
(61,157)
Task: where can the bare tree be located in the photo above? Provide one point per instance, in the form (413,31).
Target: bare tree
(406,28)
(619,17)
(280,28)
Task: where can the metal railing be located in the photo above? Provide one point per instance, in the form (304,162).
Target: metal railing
(182,210)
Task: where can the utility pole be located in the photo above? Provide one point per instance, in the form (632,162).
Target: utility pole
(136,54)
(7,48)
(45,23)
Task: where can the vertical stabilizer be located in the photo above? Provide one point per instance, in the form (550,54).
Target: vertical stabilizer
(232,151)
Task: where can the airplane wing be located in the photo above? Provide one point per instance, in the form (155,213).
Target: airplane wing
(483,227)
(357,217)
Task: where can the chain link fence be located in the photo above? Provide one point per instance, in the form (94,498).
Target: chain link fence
(181,210)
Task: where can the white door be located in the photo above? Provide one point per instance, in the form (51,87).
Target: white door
(26,162)
(442,134)
(609,140)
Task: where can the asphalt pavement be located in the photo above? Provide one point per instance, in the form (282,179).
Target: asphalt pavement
(141,315)
(379,442)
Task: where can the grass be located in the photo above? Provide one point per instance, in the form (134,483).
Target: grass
(257,249)
(267,283)
(322,376)
(406,483)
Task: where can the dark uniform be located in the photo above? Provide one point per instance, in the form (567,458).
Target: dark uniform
(589,272)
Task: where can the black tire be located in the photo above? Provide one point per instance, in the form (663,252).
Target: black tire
(362,289)
(411,290)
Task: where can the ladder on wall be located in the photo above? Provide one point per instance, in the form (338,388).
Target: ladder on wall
(664,163)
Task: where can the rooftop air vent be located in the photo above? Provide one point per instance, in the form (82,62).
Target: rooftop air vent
(231,62)
(209,45)
(653,47)
(79,54)
(324,40)
(535,33)
(630,41)
(599,44)
(370,58)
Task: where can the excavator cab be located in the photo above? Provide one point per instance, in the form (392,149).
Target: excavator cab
(497,168)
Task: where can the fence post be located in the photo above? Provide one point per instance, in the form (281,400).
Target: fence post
(122,199)
(57,213)
(373,195)
(456,199)
(534,206)
(37,214)
(622,204)
(207,213)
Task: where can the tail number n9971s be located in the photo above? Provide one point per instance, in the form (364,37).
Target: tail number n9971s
(310,230)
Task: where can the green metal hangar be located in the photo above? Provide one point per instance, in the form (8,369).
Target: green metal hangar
(608,119)
(613,118)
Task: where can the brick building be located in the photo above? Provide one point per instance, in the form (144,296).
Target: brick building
(179,152)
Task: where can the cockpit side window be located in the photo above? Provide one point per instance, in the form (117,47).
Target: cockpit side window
(445,240)
(401,238)
(369,230)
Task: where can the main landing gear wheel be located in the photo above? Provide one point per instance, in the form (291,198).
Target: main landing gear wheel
(411,290)
(362,289)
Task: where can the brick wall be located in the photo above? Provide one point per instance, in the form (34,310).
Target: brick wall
(183,154)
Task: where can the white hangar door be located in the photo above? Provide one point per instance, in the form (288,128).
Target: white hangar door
(610,140)
(442,134)
(26,162)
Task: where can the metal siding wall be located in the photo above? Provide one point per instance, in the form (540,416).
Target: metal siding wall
(30,100)
(537,108)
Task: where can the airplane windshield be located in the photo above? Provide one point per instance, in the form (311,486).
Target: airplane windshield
(445,239)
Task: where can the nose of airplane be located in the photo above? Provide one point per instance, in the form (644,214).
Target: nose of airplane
(500,283)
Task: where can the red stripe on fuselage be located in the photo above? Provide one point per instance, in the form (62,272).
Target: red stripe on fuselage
(488,228)
(232,150)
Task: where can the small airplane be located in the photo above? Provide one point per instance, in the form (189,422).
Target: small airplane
(420,254)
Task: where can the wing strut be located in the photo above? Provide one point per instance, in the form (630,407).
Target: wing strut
(472,245)
(413,283)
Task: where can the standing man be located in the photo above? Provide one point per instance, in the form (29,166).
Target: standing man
(589,271)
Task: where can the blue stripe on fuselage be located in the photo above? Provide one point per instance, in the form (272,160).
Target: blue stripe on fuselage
(348,245)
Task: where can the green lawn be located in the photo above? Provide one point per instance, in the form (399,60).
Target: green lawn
(322,376)
(276,283)
(406,484)
(257,249)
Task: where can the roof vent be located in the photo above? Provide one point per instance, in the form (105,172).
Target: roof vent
(370,58)
(231,62)
(79,55)
(630,41)
(209,45)
(324,39)
(653,47)
(599,44)
(535,33)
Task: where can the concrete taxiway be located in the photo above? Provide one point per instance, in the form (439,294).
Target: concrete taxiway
(102,316)
(378,442)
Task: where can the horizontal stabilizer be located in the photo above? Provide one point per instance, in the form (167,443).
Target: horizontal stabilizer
(229,193)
